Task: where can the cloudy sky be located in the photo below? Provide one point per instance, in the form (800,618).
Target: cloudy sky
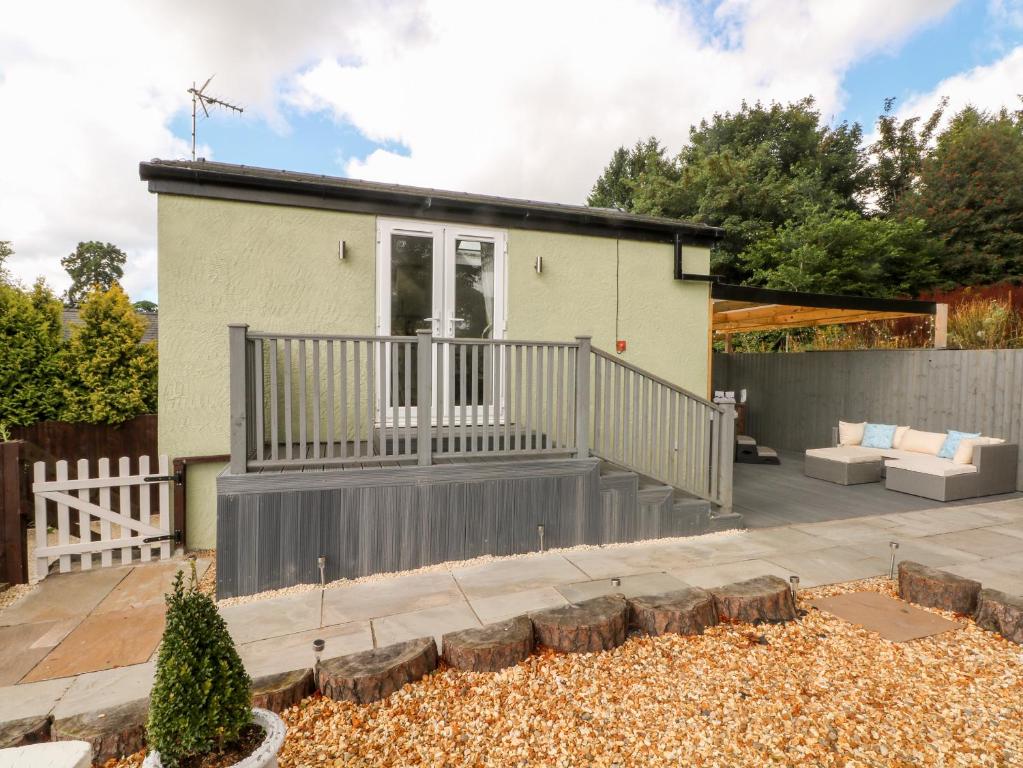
(526,99)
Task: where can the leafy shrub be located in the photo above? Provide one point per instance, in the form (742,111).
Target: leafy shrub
(201,697)
(109,375)
(30,340)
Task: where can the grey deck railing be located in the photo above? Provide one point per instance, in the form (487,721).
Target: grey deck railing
(315,400)
(658,429)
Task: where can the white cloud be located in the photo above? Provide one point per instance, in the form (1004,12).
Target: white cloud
(527,98)
(531,100)
(989,87)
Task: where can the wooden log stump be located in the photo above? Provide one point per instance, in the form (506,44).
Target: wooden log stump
(1002,613)
(27,730)
(373,675)
(592,625)
(112,732)
(683,612)
(490,648)
(937,589)
(282,690)
(765,598)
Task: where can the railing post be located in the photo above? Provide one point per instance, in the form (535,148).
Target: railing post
(237,337)
(582,398)
(726,454)
(424,396)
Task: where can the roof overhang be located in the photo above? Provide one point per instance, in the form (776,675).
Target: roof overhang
(261,185)
(737,308)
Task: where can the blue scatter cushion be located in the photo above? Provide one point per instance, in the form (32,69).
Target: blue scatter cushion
(879,436)
(948,448)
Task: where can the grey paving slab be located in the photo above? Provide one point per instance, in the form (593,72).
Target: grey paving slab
(31,699)
(788,539)
(623,561)
(980,541)
(831,566)
(847,531)
(429,621)
(260,619)
(374,599)
(501,607)
(63,596)
(933,522)
(290,652)
(631,586)
(517,574)
(926,551)
(96,691)
(726,573)
(1002,573)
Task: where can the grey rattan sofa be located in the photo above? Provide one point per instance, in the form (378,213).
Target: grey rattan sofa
(992,470)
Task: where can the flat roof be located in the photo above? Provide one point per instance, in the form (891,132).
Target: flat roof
(202,178)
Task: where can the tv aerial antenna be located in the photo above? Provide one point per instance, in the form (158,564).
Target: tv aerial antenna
(200,98)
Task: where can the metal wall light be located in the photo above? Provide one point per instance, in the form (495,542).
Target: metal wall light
(340,250)
(538,266)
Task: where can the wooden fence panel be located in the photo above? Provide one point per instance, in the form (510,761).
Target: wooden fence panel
(795,398)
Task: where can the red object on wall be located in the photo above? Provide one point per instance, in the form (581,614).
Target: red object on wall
(620,345)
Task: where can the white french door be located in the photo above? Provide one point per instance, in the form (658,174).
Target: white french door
(450,279)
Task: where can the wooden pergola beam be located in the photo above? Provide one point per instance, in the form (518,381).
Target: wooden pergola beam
(792,317)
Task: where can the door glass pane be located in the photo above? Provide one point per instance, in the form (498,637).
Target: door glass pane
(474,314)
(411,307)
(474,288)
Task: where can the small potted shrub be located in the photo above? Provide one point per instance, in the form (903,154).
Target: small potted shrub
(200,710)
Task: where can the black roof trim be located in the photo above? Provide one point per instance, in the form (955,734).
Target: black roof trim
(239,182)
(729,292)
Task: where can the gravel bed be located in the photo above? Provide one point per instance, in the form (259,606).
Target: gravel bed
(815,692)
(452,565)
(13,594)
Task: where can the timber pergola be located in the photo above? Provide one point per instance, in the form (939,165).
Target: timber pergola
(739,308)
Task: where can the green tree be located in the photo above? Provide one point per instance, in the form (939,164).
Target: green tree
(201,696)
(897,156)
(109,375)
(750,171)
(145,306)
(971,195)
(91,264)
(846,253)
(6,251)
(628,169)
(30,342)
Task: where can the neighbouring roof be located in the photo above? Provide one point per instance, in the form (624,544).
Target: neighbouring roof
(70,316)
(202,178)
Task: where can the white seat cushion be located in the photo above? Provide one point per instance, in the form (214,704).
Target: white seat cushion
(964,453)
(931,465)
(850,433)
(922,442)
(847,454)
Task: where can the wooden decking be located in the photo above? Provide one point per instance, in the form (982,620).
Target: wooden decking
(771,495)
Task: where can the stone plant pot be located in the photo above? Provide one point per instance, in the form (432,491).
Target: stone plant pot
(265,755)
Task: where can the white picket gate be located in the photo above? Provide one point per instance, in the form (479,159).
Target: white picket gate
(143,531)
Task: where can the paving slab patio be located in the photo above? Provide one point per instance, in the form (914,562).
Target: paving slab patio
(980,541)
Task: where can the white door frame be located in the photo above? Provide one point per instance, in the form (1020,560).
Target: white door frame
(443,290)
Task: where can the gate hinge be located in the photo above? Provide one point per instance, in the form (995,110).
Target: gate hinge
(175,537)
(176,477)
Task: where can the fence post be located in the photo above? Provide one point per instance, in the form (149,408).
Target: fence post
(237,333)
(582,398)
(726,454)
(424,396)
(13,557)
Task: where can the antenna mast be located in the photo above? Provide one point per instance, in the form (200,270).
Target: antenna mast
(200,98)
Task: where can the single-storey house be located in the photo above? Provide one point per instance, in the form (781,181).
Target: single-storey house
(390,376)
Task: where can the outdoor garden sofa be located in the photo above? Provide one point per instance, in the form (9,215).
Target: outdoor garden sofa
(970,465)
